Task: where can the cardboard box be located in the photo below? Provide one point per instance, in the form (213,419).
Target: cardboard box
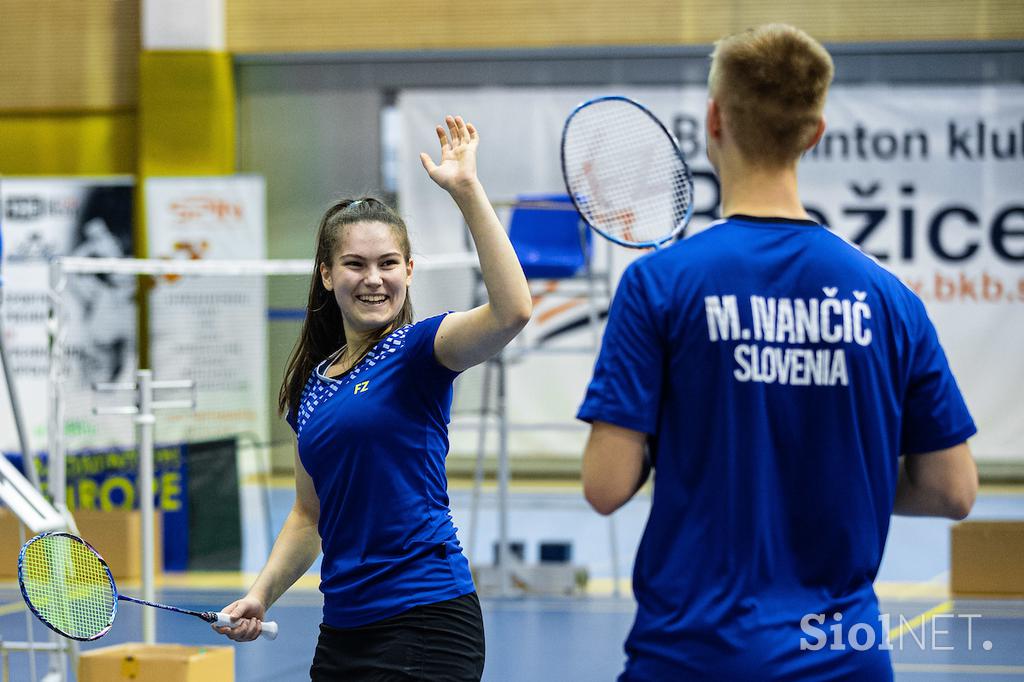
(10,544)
(157,663)
(987,559)
(116,535)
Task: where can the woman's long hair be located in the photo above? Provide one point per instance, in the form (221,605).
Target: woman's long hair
(322,330)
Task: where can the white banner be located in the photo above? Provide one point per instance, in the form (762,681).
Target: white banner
(211,330)
(929,180)
(43,218)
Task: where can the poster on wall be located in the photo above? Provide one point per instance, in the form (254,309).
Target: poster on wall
(211,330)
(925,179)
(42,218)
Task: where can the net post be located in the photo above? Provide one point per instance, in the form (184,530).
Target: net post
(57,470)
(144,423)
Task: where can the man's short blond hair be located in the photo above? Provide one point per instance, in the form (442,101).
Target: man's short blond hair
(770,83)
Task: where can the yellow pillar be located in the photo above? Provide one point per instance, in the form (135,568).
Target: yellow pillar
(186,118)
(186,113)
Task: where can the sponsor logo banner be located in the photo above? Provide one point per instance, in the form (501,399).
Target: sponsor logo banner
(925,179)
(211,330)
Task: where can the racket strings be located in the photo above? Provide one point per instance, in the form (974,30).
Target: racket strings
(625,172)
(68,586)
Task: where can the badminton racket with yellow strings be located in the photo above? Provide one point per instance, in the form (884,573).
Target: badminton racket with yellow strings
(68,586)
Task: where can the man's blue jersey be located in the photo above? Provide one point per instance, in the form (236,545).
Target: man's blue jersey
(374,441)
(780,373)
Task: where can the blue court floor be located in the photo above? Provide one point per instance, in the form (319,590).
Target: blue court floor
(568,639)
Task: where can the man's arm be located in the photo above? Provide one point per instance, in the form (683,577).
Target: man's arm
(614,466)
(939,483)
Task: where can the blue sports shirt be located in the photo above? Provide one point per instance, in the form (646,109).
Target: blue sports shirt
(374,441)
(779,373)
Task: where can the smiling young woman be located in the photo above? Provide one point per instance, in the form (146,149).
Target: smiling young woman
(368,393)
(368,271)
(369,277)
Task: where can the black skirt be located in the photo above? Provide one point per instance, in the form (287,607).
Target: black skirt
(435,642)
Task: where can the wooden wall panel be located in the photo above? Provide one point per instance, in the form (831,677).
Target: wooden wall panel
(271,26)
(68,54)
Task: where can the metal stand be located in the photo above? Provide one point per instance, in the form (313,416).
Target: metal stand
(590,279)
(145,424)
(60,647)
(478,469)
(503,559)
(504,555)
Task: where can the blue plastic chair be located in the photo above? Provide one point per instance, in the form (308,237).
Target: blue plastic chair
(549,240)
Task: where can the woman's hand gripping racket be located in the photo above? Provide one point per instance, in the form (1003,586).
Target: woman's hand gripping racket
(625,173)
(68,586)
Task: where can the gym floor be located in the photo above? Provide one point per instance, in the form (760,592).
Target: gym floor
(565,639)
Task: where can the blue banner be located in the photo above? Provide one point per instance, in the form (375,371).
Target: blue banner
(105,480)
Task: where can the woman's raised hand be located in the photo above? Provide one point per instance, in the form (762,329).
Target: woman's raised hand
(457,169)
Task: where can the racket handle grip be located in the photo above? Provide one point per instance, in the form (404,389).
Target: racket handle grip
(268,628)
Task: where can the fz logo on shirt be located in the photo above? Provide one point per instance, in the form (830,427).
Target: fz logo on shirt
(361,387)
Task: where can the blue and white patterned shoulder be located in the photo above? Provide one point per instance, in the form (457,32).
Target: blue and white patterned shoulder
(320,387)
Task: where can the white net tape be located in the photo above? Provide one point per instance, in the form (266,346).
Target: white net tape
(228,326)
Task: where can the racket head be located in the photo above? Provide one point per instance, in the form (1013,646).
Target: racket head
(67,585)
(625,173)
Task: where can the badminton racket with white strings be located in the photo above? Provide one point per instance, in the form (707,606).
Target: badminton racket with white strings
(625,173)
(68,586)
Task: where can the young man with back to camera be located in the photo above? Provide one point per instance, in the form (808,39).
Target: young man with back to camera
(792,394)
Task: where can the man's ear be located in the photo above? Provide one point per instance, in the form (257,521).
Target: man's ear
(713,120)
(325,276)
(817,134)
